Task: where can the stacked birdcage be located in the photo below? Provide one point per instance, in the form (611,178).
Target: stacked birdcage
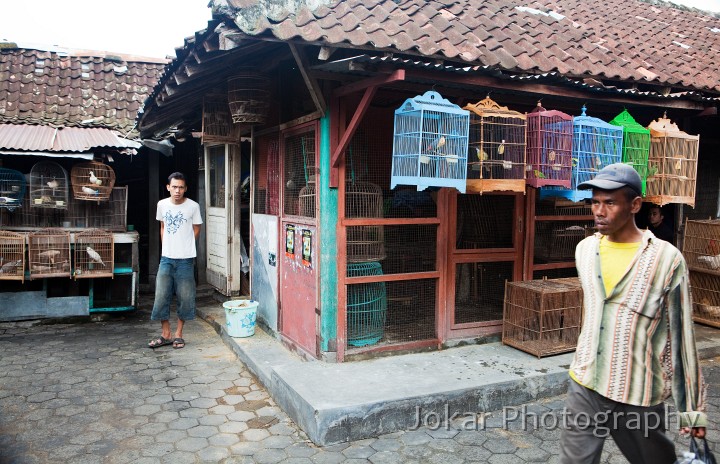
(49,186)
(12,188)
(549,148)
(636,145)
(366,306)
(701,249)
(217,124)
(543,317)
(248,96)
(92,181)
(596,144)
(94,254)
(672,165)
(496,155)
(12,256)
(430,142)
(49,253)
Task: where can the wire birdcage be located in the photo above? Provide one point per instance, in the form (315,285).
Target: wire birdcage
(12,256)
(636,145)
(364,243)
(430,141)
(672,164)
(49,253)
(94,254)
(49,186)
(92,181)
(12,188)
(366,306)
(543,317)
(497,147)
(248,97)
(549,148)
(596,144)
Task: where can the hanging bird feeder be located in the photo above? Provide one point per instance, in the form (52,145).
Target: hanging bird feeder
(430,142)
(636,144)
(549,148)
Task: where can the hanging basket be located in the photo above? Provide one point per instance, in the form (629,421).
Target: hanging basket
(248,97)
(92,181)
(49,186)
(12,188)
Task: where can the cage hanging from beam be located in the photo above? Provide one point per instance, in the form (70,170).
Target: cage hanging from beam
(94,254)
(636,145)
(49,253)
(12,188)
(92,181)
(248,97)
(49,186)
(12,256)
(549,148)
(366,306)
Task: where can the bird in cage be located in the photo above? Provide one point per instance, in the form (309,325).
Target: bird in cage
(481,155)
(93,179)
(10,266)
(437,144)
(94,255)
(5,200)
(53,184)
(50,255)
(712,262)
(89,191)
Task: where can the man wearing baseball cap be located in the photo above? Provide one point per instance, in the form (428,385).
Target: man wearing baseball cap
(637,343)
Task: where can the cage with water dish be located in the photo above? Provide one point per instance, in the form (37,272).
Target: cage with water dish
(12,188)
(94,254)
(92,181)
(549,148)
(49,253)
(701,249)
(12,256)
(49,186)
(636,144)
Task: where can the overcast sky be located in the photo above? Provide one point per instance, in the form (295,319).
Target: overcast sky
(141,27)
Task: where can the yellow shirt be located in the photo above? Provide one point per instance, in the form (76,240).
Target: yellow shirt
(614,261)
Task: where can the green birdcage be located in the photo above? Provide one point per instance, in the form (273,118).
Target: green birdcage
(636,145)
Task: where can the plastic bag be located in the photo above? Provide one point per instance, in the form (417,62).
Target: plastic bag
(696,455)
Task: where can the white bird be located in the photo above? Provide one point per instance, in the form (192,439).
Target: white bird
(53,184)
(93,179)
(8,200)
(94,255)
(50,255)
(9,267)
(89,191)
(710,261)
(98,182)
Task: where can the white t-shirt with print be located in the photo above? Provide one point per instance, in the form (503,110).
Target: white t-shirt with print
(178,240)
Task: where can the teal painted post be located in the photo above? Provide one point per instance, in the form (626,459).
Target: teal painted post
(328,242)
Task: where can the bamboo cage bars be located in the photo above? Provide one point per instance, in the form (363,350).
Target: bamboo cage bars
(94,254)
(12,256)
(49,253)
(701,248)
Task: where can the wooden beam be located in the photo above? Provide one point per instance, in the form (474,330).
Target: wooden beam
(352,127)
(310,82)
(326,52)
(396,75)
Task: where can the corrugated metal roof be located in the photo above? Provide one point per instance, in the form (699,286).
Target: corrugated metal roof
(67,139)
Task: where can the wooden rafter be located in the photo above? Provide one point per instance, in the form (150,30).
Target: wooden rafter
(310,82)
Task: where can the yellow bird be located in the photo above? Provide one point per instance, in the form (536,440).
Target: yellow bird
(481,155)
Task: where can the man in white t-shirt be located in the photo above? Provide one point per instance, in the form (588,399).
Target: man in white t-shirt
(179,228)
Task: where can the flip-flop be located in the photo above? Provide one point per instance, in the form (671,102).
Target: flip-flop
(158,342)
(178,343)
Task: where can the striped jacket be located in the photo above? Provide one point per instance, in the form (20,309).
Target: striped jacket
(637,345)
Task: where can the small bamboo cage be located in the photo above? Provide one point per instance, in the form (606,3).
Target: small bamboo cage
(49,253)
(636,145)
(366,306)
(430,143)
(496,155)
(706,298)
(12,256)
(94,254)
(217,125)
(549,148)
(92,181)
(248,97)
(49,186)
(543,317)
(12,188)
(672,165)
(701,248)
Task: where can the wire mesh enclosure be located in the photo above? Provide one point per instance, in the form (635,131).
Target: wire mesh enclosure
(497,147)
(543,317)
(299,167)
(556,242)
(12,188)
(701,245)
(49,253)
(596,144)
(430,142)
(12,256)
(217,124)
(479,291)
(636,145)
(366,306)
(249,97)
(94,254)
(549,148)
(92,181)
(49,186)
(706,297)
(364,243)
(485,221)
(672,164)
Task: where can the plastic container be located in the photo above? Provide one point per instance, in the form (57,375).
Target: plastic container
(240,316)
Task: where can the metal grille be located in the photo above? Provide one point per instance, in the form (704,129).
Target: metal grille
(556,241)
(49,253)
(267,175)
(299,167)
(49,186)
(479,289)
(549,147)
(543,317)
(485,221)
(93,254)
(12,256)
(400,249)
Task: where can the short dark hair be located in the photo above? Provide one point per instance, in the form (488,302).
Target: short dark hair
(629,193)
(176,175)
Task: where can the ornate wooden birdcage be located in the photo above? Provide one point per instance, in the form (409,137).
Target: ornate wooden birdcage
(49,253)
(596,144)
(430,142)
(496,156)
(49,186)
(636,144)
(701,249)
(12,256)
(549,148)
(217,124)
(92,181)
(248,97)
(94,254)
(12,188)
(672,164)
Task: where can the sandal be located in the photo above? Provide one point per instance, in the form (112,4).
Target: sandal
(178,343)
(158,342)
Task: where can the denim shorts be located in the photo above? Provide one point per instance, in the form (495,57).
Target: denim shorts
(175,276)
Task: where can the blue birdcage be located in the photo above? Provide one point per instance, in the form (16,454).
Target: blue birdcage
(12,188)
(596,144)
(430,143)
(366,306)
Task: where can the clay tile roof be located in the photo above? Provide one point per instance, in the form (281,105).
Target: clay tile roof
(67,88)
(631,40)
